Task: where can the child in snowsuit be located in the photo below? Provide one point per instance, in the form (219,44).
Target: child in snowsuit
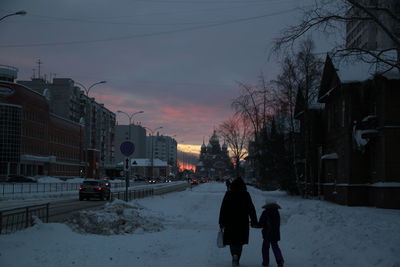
(270,224)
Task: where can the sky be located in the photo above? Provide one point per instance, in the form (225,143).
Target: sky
(177,60)
(179,229)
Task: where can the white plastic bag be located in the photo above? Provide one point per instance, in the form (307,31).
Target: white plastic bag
(220,239)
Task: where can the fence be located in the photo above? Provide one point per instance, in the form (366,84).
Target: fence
(26,188)
(12,220)
(171,188)
(133,194)
(145,192)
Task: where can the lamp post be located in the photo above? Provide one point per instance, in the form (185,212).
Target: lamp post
(87,89)
(130,119)
(152,148)
(89,125)
(19,13)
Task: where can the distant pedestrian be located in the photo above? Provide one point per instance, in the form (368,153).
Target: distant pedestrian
(236,209)
(270,223)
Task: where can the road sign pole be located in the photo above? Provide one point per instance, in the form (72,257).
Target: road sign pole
(127,148)
(126,179)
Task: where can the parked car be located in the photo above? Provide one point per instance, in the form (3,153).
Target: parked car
(20,179)
(92,188)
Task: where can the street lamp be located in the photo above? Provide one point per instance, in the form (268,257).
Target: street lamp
(89,119)
(19,13)
(152,148)
(87,89)
(130,119)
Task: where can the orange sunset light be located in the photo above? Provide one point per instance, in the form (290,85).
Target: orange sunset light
(186,166)
(195,149)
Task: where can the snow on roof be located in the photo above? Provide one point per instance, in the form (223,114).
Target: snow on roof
(143,162)
(317,106)
(368,118)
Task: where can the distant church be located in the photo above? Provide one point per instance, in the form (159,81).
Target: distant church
(214,160)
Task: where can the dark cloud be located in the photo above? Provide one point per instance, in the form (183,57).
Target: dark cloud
(176,60)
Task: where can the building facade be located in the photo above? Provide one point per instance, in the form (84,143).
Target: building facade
(68,101)
(165,149)
(366,34)
(34,141)
(357,162)
(138,137)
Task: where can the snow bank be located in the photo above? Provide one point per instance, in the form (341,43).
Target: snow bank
(118,217)
(48,179)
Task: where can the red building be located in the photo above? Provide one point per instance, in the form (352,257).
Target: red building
(34,141)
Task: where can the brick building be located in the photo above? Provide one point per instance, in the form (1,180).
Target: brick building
(34,141)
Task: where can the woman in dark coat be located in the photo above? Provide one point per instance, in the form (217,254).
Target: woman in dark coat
(270,221)
(236,209)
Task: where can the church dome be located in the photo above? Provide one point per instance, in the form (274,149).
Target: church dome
(224,146)
(209,145)
(214,138)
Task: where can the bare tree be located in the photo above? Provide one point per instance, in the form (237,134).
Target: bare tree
(236,134)
(255,104)
(328,15)
(300,73)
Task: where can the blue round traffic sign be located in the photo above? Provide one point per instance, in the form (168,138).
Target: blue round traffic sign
(127,148)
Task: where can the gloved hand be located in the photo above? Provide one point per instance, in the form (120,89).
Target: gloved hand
(254,225)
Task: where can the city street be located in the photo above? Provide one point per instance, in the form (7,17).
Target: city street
(187,225)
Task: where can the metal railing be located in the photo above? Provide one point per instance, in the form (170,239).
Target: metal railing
(29,188)
(133,194)
(171,188)
(15,219)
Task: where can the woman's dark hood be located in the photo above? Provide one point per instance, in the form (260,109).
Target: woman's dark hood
(238,185)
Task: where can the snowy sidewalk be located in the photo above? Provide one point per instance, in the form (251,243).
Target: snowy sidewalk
(314,233)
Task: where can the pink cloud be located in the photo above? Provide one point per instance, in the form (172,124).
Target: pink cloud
(189,120)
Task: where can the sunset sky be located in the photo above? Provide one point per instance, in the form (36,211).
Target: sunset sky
(177,60)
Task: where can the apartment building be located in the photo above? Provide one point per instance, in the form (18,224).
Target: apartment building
(138,137)
(367,34)
(165,148)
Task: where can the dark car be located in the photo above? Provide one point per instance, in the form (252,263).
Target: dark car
(194,181)
(94,189)
(20,179)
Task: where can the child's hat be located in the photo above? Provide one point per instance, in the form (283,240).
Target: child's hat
(270,203)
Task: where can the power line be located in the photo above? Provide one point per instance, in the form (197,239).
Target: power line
(106,20)
(188,29)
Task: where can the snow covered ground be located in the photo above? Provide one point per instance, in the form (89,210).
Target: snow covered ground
(179,229)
